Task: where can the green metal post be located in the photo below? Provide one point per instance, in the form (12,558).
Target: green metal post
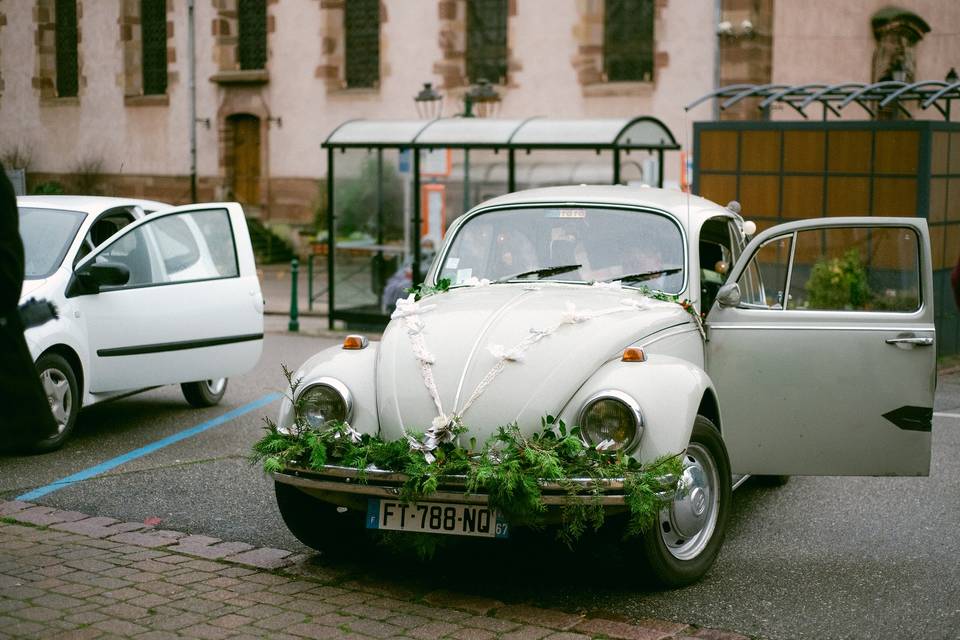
(294,324)
(310,282)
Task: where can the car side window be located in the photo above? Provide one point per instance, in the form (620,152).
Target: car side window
(856,269)
(763,282)
(190,246)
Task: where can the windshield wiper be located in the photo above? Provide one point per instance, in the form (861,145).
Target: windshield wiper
(647,275)
(543,271)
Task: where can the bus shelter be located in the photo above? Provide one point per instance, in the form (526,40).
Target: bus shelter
(394,187)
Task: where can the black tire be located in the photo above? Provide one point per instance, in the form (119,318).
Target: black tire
(320,525)
(673,558)
(204,393)
(60,384)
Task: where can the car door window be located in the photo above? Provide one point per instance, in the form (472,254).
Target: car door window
(856,269)
(763,282)
(188,246)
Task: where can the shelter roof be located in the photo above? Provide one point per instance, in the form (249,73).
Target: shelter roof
(834,97)
(642,132)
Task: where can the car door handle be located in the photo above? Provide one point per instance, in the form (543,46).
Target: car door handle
(910,340)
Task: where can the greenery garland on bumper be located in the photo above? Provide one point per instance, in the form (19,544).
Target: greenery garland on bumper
(509,467)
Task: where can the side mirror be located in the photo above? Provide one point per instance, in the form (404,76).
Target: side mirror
(729,295)
(91,277)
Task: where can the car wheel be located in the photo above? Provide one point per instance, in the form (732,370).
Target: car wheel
(684,543)
(320,525)
(63,393)
(205,393)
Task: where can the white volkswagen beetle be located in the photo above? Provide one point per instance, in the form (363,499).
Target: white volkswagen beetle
(645,317)
(147,295)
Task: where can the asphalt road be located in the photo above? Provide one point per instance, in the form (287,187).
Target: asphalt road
(818,558)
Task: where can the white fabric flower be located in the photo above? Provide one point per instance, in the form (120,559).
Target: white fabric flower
(637,303)
(572,316)
(599,284)
(502,353)
(474,281)
(606,445)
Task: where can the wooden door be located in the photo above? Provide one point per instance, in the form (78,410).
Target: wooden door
(245,129)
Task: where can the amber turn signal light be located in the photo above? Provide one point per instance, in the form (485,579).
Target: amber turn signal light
(633,354)
(354,342)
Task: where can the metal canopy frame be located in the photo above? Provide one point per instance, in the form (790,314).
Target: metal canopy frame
(835,97)
(534,133)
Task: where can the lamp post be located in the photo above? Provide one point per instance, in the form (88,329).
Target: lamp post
(482,96)
(429,102)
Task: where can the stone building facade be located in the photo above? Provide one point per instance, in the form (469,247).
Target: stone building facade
(108,94)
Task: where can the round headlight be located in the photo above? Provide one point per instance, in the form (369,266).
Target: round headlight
(325,401)
(612,417)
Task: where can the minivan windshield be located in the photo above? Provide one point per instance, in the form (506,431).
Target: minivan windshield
(569,244)
(47,234)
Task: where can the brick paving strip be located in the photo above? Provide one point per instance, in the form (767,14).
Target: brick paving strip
(64,574)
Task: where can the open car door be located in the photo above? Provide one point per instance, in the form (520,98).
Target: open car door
(821,347)
(171,298)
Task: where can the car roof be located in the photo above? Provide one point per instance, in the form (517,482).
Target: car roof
(679,203)
(88,204)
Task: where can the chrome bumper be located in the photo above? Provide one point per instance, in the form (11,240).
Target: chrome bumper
(344,485)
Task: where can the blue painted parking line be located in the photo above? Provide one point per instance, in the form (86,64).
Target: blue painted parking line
(103,467)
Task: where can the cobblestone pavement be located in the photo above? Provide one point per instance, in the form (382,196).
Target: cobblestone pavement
(64,574)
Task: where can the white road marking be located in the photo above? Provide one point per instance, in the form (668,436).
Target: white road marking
(941,414)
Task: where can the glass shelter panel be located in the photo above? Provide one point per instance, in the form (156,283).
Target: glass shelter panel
(372,265)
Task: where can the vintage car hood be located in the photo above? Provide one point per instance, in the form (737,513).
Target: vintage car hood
(460,327)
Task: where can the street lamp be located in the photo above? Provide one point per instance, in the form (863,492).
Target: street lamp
(483,97)
(429,102)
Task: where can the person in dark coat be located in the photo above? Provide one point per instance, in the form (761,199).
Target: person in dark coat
(25,417)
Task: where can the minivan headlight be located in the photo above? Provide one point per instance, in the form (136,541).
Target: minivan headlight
(612,417)
(324,401)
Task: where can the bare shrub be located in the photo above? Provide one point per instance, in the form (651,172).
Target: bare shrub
(17,156)
(86,177)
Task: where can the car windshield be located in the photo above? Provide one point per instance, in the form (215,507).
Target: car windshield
(47,234)
(570,244)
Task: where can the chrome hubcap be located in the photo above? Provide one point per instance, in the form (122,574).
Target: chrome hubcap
(215,386)
(57,388)
(687,524)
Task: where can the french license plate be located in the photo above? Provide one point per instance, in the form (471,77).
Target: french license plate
(436,517)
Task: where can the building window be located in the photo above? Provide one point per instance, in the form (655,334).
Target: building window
(628,40)
(361,21)
(487,40)
(153,23)
(252,16)
(65,26)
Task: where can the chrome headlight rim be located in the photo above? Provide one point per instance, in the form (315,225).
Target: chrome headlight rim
(618,396)
(340,388)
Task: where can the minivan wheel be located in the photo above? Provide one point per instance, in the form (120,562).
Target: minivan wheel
(63,393)
(204,393)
